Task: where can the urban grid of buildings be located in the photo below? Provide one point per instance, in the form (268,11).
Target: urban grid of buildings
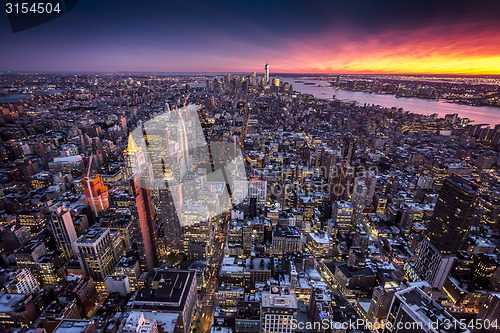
(346,217)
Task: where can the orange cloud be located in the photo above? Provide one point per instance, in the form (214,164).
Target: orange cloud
(439,50)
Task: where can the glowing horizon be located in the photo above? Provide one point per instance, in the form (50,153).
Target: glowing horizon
(319,38)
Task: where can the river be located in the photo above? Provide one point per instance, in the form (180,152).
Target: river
(13,98)
(322,89)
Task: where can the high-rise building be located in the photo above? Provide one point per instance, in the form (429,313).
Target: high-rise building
(96,194)
(23,282)
(34,221)
(278,310)
(255,188)
(134,159)
(453,214)
(322,307)
(490,312)
(170,291)
(433,265)
(359,198)
(95,253)
(266,73)
(143,217)
(342,214)
(129,266)
(137,322)
(380,303)
(63,229)
(412,310)
(167,215)
(448,226)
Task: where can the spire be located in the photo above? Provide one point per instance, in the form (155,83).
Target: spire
(132,146)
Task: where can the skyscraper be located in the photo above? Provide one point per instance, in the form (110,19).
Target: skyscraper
(266,71)
(96,194)
(143,217)
(448,226)
(63,229)
(95,253)
(167,215)
(278,310)
(453,214)
(413,311)
(134,158)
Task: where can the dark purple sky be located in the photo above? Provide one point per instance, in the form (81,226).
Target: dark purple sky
(239,35)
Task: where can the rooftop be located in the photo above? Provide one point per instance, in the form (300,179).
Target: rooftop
(72,326)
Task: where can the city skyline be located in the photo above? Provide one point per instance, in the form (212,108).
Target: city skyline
(185,166)
(449,38)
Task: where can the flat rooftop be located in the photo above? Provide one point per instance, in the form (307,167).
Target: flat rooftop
(72,326)
(172,291)
(92,235)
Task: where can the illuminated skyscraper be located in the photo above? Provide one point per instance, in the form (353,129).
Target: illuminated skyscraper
(135,159)
(253,79)
(95,253)
(63,229)
(452,215)
(412,310)
(266,73)
(448,226)
(143,216)
(96,194)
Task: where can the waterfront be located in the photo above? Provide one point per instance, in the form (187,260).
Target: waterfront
(322,89)
(13,98)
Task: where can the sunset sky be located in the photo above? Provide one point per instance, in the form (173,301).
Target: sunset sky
(355,36)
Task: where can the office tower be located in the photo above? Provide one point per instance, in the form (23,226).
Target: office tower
(433,265)
(286,239)
(451,219)
(489,313)
(143,216)
(266,73)
(96,194)
(453,214)
(197,234)
(27,255)
(167,215)
(63,229)
(253,79)
(412,310)
(134,159)
(171,291)
(380,303)
(255,188)
(278,310)
(359,198)
(158,150)
(129,266)
(123,123)
(23,282)
(95,253)
(319,244)
(342,214)
(33,220)
(322,307)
